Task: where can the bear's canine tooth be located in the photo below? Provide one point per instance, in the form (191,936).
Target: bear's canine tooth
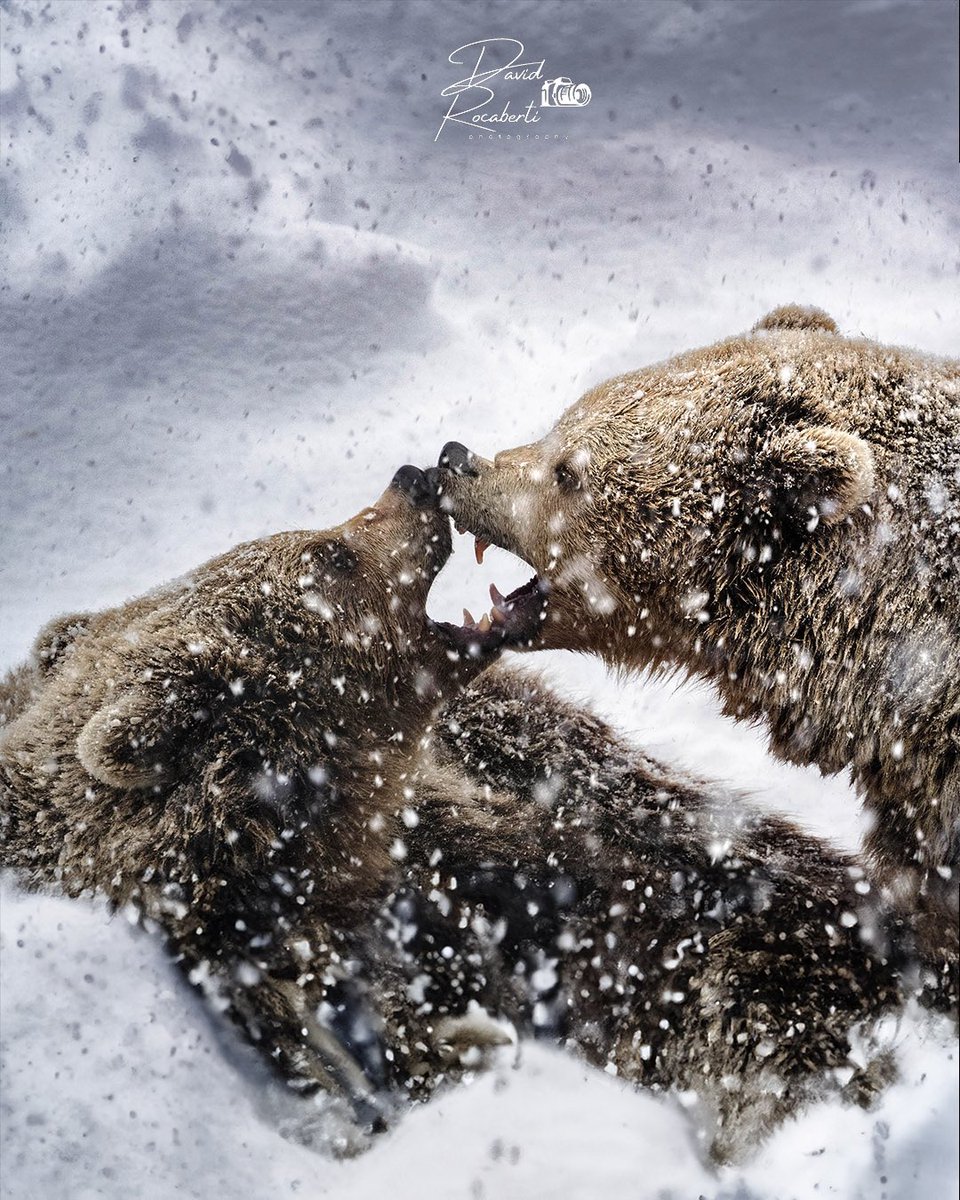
(496,596)
(468,618)
(479,547)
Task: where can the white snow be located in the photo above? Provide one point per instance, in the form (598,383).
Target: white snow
(241,284)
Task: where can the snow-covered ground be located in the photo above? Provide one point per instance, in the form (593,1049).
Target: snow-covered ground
(242,283)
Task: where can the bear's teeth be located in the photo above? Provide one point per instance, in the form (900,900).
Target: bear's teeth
(468,617)
(479,547)
(458,527)
(497,615)
(484,625)
(496,596)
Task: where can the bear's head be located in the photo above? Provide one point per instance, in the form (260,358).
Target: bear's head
(666,494)
(238,755)
(286,673)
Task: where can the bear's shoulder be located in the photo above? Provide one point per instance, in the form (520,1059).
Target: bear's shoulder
(796,316)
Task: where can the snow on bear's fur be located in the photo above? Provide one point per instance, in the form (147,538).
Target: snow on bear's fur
(780,514)
(231,755)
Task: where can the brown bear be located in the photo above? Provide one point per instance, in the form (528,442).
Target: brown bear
(669,933)
(245,757)
(778,513)
(237,755)
(552,876)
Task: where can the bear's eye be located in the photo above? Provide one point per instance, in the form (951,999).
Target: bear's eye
(566,477)
(339,557)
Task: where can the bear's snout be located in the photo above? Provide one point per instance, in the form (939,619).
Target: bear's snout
(420,487)
(457,458)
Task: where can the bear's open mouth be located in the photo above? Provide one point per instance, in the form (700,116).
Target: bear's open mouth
(513,620)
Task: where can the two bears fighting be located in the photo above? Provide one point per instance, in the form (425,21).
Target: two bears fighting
(384,848)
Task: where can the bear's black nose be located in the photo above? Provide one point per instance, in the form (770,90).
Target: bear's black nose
(433,477)
(416,485)
(458,459)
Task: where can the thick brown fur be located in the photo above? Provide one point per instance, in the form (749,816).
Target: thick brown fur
(246,758)
(554,877)
(780,514)
(234,756)
(667,931)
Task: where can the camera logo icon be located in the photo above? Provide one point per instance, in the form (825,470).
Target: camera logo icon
(564,93)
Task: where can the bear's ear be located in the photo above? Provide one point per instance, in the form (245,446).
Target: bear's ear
(57,637)
(126,743)
(796,316)
(818,473)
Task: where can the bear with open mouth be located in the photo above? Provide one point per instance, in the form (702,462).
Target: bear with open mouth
(240,756)
(779,514)
(252,758)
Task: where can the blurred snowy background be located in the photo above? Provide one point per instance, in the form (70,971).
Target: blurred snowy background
(242,283)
